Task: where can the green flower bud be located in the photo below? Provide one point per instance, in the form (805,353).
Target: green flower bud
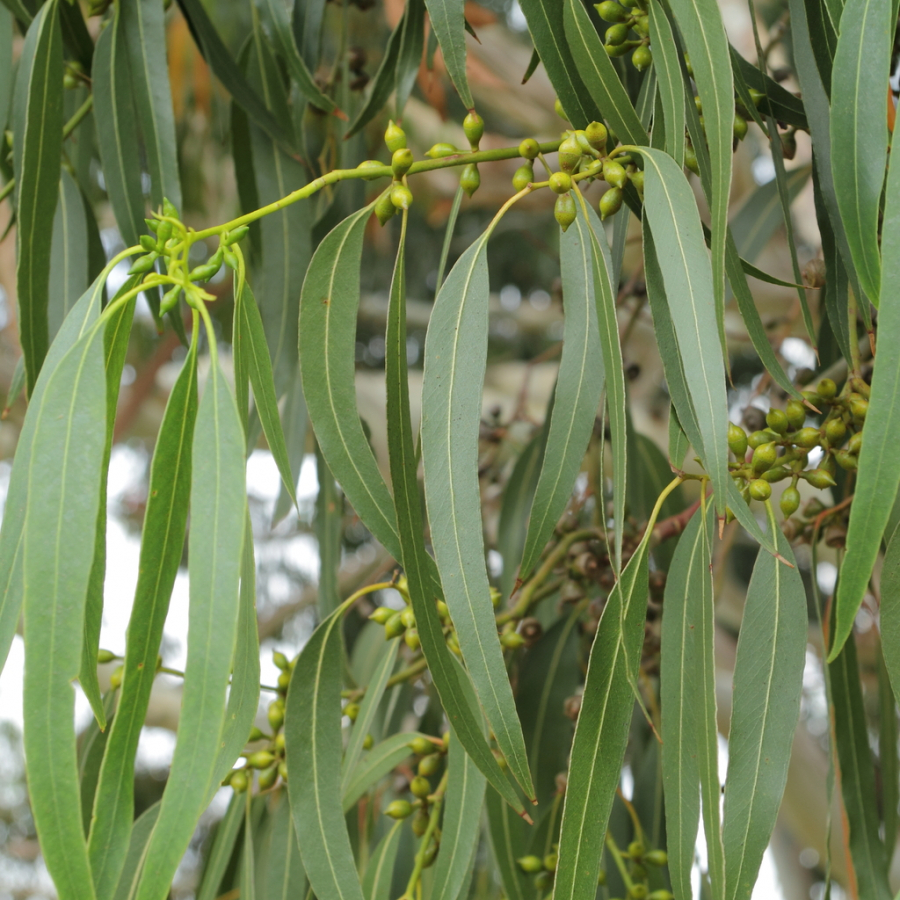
(242,231)
(826,389)
(439,151)
(143,264)
(641,25)
(638,892)
(737,441)
(204,272)
(558,109)
(382,614)
(808,437)
(597,135)
(280,742)
(643,59)
(394,627)
(262,759)
(420,787)
(636,850)
(401,160)
(368,742)
(756,96)
(169,299)
(473,127)
(777,421)
(401,196)
(855,444)
(560,182)
(764,457)
(239,781)
(846,460)
(739,128)
(169,209)
(411,639)
(421,746)
(614,174)
(399,809)
(859,406)
(550,861)
(280,660)
(255,735)
(115,679)
(523,176)
(282,770)
(610,11)
(512,640)
(758,438)
(819,478)
(394,137)
(105,656)
(760,489)
(351,711)
(529,148)
(564,210)
(615,50)
(268,777)
(637,179)
(147,242)
(690,159)
(776,473)
(420,823)
(796,414)
(790,501)
(470,180)
(543,880)
(371,164)
(429,764)
(275,714)
(617,33)
(610,202)
(656,858)
(569,155)
(453,645)
(164,232)
(230,259)
(408,617)
(284,681)
(835,429)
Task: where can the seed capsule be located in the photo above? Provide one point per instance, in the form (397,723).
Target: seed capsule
(429,764)
(569,155)
(401,160)
(408,617)
(760,489)
(835,429)
(421,746)
(808,437)
(826,389)
(611,202)
(204,272)
(763,436)
(617,33)
(143,264)
(790,501)
(473,127)
(401,196)
(637,179)
(739,128)
(796,414)
(550,861)
(368,742)
(636,850)
(597,135)
(846,460)
(351,711)
(764,457)
(267,778)
(529,148)
(239,233)
(776,473)
(399,809)
(523,176)
(239,781)
(275,714)
(656,857)
(439,151)
(855,443)
(543,880)
(394,137)
(564,210)
(420,823)
(859,406)
(470,180)
(643,58)
(280,660)
(610,11)
(558,109)
(382,614)
(560,182)
(819,478)
(690,159)
(170,299)
(420,787)
(262,759)
(115,680)
(777,421)
(737,441)
(284,681)
(411,639)
(512,641)
(394,627)
(614,174)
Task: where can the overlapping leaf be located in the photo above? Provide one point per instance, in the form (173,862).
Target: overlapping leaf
(69,255)
(447,20)
(412,42)
(137,846)
(376,763)
(376,883)
(284,875)
(222,849)
(671,82)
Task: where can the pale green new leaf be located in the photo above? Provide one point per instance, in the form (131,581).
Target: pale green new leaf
(312,730)
(768,676)
(859,134)
(878,476)
(37,121)
(455,360)
(218,504)
(579,386)
(376,883)
(448,22)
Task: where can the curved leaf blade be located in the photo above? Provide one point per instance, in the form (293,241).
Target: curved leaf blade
(671,81)
(376,883)
(382,84)
(285,878)
(69,255)
(220,854)
(448,21)
(377,762)
(455,359)
(409,58)
(137,847)
(218,503)
(859,134)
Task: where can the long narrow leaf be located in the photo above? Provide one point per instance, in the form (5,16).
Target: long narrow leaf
(377,762)
(447,20)
(509,843)
(671,82)
(137,848)
(69,256)
(412,42)
(376,883)
(222,849)
(284,877)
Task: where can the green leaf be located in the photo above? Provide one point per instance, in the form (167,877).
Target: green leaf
(144,27)
(7,69)
(678,442)
(91,747)
(508,841)
(294,422)
(117,129)
(312,730)
(689,747)
(69,254)
(453,687)
(161,552)
(306,24)
(857,775)
(17,8)
(274,16)
(557,52)
(878,476)
(890,613)
(248,857)
(604,720)
(368,708)
(328,308)
(76,36)
(382,84)
(888,759)
(779,103)
(329,516)
(58,546)
(255,356)
(579,386)
(768,675)
(460,825)
(376,883)
(671,81)
(455,359)
(859,135)
(218,502)
(284,875)
(137,847)
(384,757)
(37,123)
(686,274)
(412,43)
(590,61)
(447,20)
(222,849)
(229,73)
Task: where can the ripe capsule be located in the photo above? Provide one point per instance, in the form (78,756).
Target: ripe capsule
(564,210)
(760,489)
(614,174)
(739,128)
(394,137)
(617,33)
(560,182)
(429,764)
(610,11)
(382,614)
(610,202)
(399,809)
(394,627)
(239,781)
(470,180)
(421,746)
(737,441)
(642,59)
(473,126)
(351,711)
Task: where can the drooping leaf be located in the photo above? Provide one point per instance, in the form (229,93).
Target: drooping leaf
(306,24)
(37,121)
(412,43)
(579,385)
(137,846)
(452,684)
(374,765)
(220,853)
(767,686)
(447,21)
(509,843)
(285,878)
(161,552)
(888,757)
(890,613)
(58,547)
(460,825)
(878,476)
(671,82)
(7,70)
(376,883)
(69,255)
(455,359)
(589,60)
(329,515)
(779,102)
(91,747)
(312,730)
(859,134)
(218,502)
(248,857)
(294,426)
(117,129)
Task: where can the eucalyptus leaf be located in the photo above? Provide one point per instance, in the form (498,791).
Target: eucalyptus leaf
(447,20)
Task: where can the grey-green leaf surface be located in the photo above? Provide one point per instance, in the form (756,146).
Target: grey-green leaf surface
(859,134)
(686,273)
(857,776)
(594,67)
(508,842)
(329,516)
(412,42)
(767,686)
(878,476)
(91,746)
(137,847)
(145,37)
(890,613)
(604,720)
(328,307)
(460,825)
(447,20)
(161,552)
(58,549)
(247,885)
(545,22)
(450,681)
(69,254)
(218,501)
(220,854)
(374,765)
(455,360)
(294,421)
(312,732)
(376,883)
(117,129)
(38,120)
(704,35)
(671,81)
(284,876)
(579,385)
(7,70)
